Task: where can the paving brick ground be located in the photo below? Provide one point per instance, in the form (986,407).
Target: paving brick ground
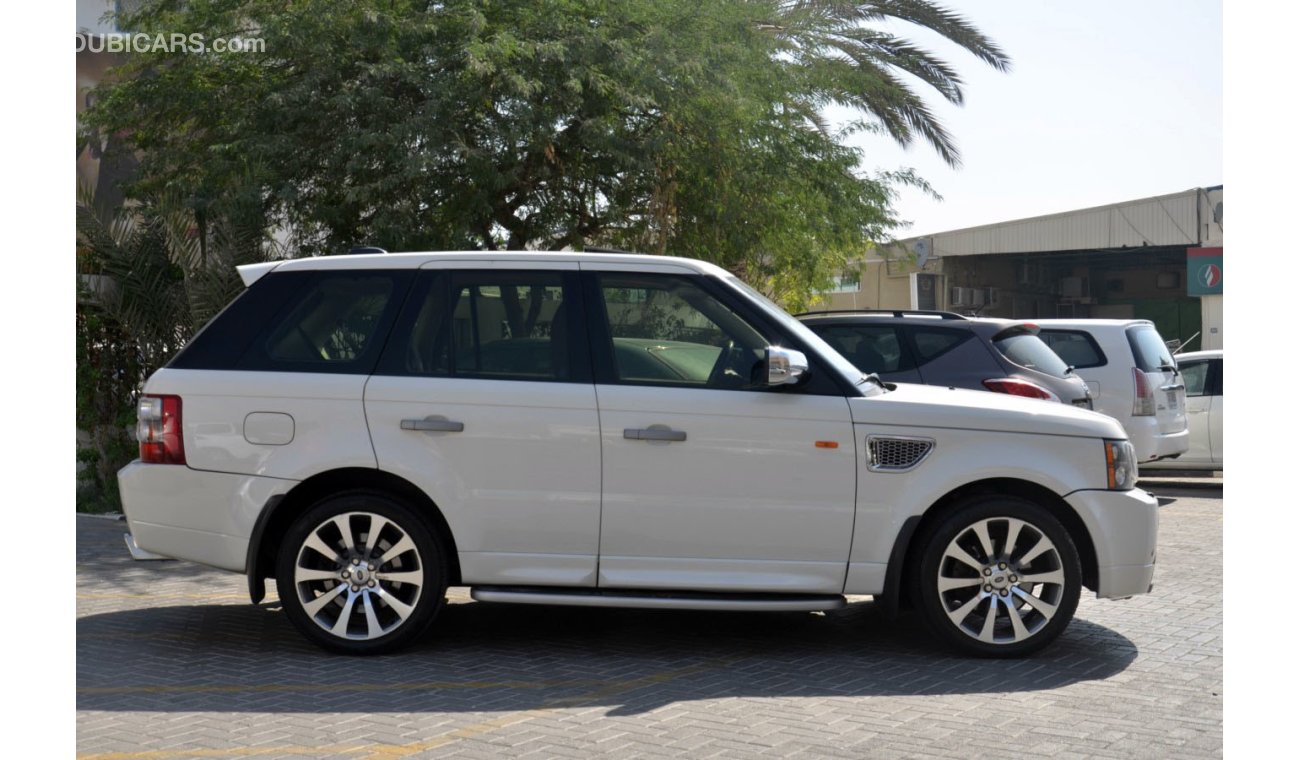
(172,662)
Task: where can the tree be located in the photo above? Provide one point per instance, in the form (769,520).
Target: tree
(672,126)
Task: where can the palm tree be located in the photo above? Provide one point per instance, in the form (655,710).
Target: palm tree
(837,58)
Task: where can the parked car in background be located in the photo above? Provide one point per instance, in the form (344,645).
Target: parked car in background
(943,348)
(609,430)
(1132,376)
(1203,377)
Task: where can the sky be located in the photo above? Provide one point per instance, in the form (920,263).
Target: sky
(1106,101)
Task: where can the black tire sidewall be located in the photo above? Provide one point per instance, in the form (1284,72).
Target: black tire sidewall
(935,542)
(432,561)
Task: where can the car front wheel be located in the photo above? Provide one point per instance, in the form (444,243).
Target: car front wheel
(360,573)
(999,577)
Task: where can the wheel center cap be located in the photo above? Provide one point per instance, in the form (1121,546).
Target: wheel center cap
(359,574)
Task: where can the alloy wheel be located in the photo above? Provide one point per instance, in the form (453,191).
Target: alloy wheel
(1001,580)
(358,575)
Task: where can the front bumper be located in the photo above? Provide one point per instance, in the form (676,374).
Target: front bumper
(1123,525)
(196,515)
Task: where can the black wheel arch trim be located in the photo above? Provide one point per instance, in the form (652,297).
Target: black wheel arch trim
(889,600)
(259,563)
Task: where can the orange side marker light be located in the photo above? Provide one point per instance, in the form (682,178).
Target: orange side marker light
(828,444)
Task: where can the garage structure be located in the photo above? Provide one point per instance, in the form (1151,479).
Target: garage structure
(1157,258)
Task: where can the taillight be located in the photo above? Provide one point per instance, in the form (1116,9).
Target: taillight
(1144,395)
(1019,388)
(158,429)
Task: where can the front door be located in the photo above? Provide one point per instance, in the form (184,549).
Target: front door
(711,479)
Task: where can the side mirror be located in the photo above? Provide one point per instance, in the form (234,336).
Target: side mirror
(785,366)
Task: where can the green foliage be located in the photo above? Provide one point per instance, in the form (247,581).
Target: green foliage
(149,277)
(671,126)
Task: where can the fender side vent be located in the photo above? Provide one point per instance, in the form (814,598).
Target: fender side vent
(896,453)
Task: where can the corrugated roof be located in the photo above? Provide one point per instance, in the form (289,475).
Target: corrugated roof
(1160,220)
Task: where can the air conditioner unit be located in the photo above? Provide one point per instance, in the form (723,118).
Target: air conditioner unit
(959,296)
(976,296)
(991,296)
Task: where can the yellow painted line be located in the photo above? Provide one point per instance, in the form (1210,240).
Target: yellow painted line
(388,751)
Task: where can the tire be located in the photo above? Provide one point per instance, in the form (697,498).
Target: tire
(985,598)
(363,595)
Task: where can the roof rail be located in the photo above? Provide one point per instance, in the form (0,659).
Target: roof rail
(366,249)
(894,312)
(597,249)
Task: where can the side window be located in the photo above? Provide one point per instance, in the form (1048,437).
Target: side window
(1077,349)
(667,330)
(870,348)
(486,324)
(933,342)
(1195,375)
(226,338)
(336,322)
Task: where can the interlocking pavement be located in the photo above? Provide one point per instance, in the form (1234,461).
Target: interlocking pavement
(173,662)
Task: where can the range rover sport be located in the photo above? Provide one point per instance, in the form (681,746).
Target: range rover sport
(615,430)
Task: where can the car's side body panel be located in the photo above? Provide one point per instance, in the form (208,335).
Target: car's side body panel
(959,458)
(757,497)
(226,417)
(519,486)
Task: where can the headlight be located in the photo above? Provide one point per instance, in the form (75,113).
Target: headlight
(1121,465)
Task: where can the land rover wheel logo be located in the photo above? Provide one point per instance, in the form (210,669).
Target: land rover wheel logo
(1210,275)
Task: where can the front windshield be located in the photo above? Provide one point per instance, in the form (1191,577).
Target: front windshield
(832,357)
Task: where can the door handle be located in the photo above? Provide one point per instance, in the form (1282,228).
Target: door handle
(434,423)
(654,433)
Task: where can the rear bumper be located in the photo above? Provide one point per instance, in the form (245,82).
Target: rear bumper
(1150,444)
(200,516)
(1123,525)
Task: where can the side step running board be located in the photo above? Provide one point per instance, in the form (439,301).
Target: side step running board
(657,600)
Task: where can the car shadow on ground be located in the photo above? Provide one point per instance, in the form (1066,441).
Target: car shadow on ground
(486,657)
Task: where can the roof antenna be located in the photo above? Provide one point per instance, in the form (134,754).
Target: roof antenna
(366,249)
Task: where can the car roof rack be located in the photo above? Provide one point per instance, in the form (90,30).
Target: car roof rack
(599,249)
(356,249)
(893,312)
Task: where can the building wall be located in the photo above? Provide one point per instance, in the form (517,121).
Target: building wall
(1211,322)
(884,285)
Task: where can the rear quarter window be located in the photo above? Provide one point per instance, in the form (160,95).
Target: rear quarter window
(227,336)
(933,342)
(1031,352)
(336,322)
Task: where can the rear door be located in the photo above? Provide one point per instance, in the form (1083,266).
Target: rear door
(484,400)
(1151,356)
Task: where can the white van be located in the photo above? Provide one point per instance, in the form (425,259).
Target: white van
(1132,376)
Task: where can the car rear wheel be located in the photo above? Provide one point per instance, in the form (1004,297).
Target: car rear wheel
(999,577)
(361,573)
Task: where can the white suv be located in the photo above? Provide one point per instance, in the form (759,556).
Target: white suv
(1132,378)
(608,430)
